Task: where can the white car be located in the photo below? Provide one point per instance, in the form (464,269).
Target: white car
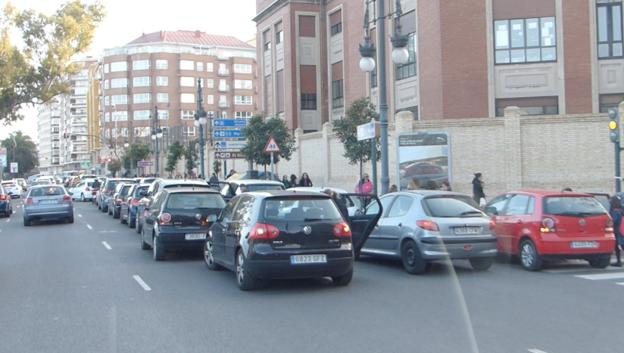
(83,190)
(352,203)
(46,180)
(12,188)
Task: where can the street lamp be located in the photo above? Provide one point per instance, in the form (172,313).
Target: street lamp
(400,55)
(200,121)
(157,134)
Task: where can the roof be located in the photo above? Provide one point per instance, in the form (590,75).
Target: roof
(165,182)
(429,192)
(319,189)
(255,182)
(191,37)
(540,192)
(278,193)
(192,189)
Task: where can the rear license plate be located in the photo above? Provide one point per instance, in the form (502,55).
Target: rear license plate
(467,230)
(308,259)
(47,202)
(195,236)
(584,245)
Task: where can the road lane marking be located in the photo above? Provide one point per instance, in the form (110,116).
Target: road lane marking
(580,270)
(8,220)
(601,276)
(535,350)
(79,215)
(89,226)
(620,283)
(106,245)
(107,231)
(142,283)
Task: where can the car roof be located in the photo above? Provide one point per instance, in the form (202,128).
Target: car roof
(425,193)
(288,192)
(178,181)
(319,189)
(541,192)
(46,186)
(121,179)
(182,190)
(255,182)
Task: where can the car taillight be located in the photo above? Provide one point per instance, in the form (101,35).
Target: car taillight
(263,232)
(164,219)
(29,201)
(66,198)
(342,230)
(548,225)
(134,202)
(609,227)
(3,197)
(428,225)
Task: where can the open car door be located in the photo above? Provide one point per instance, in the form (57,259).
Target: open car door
(364,219)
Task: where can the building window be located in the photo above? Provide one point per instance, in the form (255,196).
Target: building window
(408,69)
(138,98)
(608,101)
(308,101)
(163,114)
(140,65)
(187,98)
(186,81)
(119,83)
(141,81)
(199,66)
(162,97)
(187,114)
(529,106)
(119,99)
(209,67)
(243,84)
(335,23)
(307,26)
(210,83)
(243,100)
(242,115)
(141,115)
(609,30)
(279,33)
(106,68)
(107,117)
(162,64)
(242,68)
(106,84)
(106,100)
(266,40)
(525,40)
(188,131)
(337,94)
(119,66)
(210,99)
(187,65)
(120,116)
(162,81)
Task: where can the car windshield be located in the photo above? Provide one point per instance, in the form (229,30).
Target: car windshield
(258,187)
(575,206)
(190,201)
(451,206)
(300,210)
(50,191)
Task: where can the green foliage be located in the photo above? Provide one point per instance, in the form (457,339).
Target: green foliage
(114,166)
(40,70)
(258,132)
(21,149)
(176,151)
(191,156)
(135,153)
(360,112)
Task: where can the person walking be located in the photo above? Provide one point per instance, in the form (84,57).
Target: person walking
(478,195)
(393,188)
(342,207)
(293,181)
(286,181)
(364,185)
(305,180)
(232,172)
(616,215)
(214,180)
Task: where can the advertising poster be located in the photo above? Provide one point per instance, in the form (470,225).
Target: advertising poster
(423,157)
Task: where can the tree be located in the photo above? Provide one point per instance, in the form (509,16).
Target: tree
(191,157)
(39,70)
(21,149)
(114,166)
(258,132)
(360,112)
(176,151)
(136,152)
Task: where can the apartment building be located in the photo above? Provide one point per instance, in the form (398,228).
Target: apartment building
(467,58)
(49,131)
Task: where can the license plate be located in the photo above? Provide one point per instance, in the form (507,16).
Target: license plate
(195,236)
(584,245)
(308,259)
(467,230)
(47,202)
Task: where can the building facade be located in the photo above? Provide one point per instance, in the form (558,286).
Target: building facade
(49,131)
(158,73)
(468,58)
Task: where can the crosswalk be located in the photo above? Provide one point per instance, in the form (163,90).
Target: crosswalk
(581,270)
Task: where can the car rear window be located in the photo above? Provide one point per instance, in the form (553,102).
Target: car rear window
(451,206)
(573,206)
(139,189)
(51,191)
(301,210)
(194,200)
(259,187)
(181,185)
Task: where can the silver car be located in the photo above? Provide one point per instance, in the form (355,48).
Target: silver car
(422,226)
(48,202)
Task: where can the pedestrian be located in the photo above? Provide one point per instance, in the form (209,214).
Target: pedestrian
(566,189)
(616,215)
(446,186)
(214,180)
(478,195)
(414,184)
(293,181)
(393,188)
(364,185)
(305,180)
(431,185)
(342,207)
(286,181)
(231,172)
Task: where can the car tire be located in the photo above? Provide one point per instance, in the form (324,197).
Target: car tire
(131,221)
(144,245)
(27,222)
(245,281)
(481,263)
(121,219)
(116,214)
(82,198)
(600,261)
(138,226)
(209,256)
(158,253)
(411,258)
(70,219)
(344,280)
(529,258)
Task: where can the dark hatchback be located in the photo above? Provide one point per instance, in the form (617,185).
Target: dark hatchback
(286,235)
(179,219)
(128,211)
(119,198)
(5,203)
(107,191)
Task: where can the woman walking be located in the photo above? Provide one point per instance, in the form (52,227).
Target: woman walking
(477,189)
(305,180)
(616,215)
(293,181)
(364,185)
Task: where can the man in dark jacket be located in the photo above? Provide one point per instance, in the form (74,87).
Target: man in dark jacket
(477,188)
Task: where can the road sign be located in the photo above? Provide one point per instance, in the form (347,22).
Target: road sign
(230,145)
(271,146)
(14,167)
(240,123)
(229,155)
(219,134)
(366,131)
(143,164)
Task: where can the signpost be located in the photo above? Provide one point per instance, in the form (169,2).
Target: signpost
(229,155)
(271,148)
(228,139)
(423,157)
(14,168)
(144,164)
(236,123)
(231,134)
(230,145)
(368,131)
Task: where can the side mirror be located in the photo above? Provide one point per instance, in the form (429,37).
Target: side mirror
(211,218)
(491,211)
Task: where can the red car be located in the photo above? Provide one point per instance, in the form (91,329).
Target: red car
(537,225)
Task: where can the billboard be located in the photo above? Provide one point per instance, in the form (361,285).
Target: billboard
(423,158)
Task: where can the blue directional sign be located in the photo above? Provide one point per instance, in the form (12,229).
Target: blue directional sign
(239,123)
(230,145)
(218,134)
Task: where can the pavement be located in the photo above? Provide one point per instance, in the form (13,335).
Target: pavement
(88,287)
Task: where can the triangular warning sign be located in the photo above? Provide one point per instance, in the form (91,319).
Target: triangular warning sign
(271,146)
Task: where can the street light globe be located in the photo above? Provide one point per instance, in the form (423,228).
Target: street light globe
(203,120)
(153,137)
(367,64)
(196,123)
(126,145)
(400,55)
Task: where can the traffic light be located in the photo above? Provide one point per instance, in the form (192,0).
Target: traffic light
(614,125)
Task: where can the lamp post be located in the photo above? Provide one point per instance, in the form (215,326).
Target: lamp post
(400,55)
(200,121)
(157,134)
(127,147)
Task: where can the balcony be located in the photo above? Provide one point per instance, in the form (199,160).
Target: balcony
(223,72)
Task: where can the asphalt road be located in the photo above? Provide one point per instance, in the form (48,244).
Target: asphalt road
(88,287)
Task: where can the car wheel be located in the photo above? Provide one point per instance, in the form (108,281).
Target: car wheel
(158,253)
(27,222)
(131,221)
(82,198)
(70,219)
(139,228)
(529,258)
(343,280)
(412,259)
(121,219)
(144,245)
(116,214)
(244,280)
(600,261)
(481,263)
(209,256)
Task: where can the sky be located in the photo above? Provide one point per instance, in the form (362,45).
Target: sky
(127,19)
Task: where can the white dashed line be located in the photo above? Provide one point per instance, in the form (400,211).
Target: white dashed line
(144,285)
(79,215)
(620,283)
(602,276)
(108,247)
(535,350)
(89,226)
(107,231)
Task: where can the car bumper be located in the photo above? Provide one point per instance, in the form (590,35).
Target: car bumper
(176,239)
(436,248)
(555,246)
(49,212)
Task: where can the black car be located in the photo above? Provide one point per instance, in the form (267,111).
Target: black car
(118,199)
(286,234)
(179,219)
(107,191)
(128,211)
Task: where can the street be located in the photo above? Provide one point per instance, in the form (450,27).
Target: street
(88,287)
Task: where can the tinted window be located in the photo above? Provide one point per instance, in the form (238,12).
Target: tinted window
(451,206)
(243,209)
(125,189)
(258,187)
(572,206)
(401,206)
(158,201)
(226,214)
(499,204)
(51,191)
(110,185)
(300,210)
(139,189)
(517,205)
(195,200)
